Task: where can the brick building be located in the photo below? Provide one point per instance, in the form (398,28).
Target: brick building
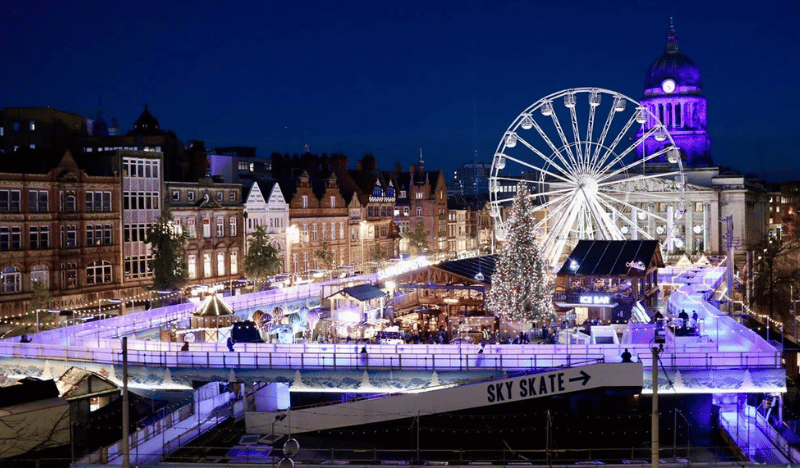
(61,225)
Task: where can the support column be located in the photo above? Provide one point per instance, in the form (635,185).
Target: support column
(272,397)
(689,233)
(706,218)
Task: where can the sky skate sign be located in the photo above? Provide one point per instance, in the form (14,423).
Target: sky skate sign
(562,381)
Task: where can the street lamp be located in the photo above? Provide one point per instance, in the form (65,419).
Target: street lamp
(279,417)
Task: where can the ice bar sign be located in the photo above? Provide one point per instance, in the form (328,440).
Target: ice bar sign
(595,299)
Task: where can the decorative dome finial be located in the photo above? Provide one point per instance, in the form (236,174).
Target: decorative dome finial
(672,38)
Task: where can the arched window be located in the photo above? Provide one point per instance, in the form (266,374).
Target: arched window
(98,272)
(10,280)
(40,273)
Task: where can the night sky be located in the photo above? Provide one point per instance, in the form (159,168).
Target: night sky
(393,77)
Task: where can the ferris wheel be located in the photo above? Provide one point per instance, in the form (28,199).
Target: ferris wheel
(576,150)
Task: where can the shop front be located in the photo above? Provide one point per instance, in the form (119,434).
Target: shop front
(602,281)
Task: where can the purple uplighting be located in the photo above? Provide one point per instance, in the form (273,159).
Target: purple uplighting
(672,93)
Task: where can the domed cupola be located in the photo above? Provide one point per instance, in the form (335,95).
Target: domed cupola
(146,124)
(673,97)
(673,72)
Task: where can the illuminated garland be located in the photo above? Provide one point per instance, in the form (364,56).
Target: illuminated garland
(522,289)
(90,309)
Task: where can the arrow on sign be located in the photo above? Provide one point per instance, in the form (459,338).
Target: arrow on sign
(584,376)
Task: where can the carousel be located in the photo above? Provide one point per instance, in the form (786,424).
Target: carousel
(277,326)
(211,322)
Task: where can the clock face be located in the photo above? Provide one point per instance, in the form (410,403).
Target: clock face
(668,85)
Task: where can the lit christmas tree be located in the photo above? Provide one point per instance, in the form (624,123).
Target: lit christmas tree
(522,289)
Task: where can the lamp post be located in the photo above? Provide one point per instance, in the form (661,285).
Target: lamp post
(279,417)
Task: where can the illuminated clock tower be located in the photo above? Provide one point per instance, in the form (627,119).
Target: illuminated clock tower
(673,93)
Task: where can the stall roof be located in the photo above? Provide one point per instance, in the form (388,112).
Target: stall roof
(612,258)
(213,306)
(470,267)
(362,292)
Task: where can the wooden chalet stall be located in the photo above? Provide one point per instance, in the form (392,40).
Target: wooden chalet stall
(603,279)
(444,295)
(357,310)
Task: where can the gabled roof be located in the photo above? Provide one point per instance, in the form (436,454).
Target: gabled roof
(362,292)
(612,258)
(77,382)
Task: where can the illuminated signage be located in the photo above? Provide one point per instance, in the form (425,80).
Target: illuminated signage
(595,300)
(638,265)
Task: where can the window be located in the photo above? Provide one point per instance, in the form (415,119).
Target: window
(390,192)
(324,231)
(40,274)
(11,280)
(233,226)
(333,201)
(69,275)
(403,194)
(314,232)
(206,265)
(341,230)
(68,201)
(405,211)
(39,237)
(176,195)
(190,196)
(5,238)
(305,201)
(698,207)
(333,231)
(220,227)
(107,234)
(32,125)
(233,196)
(234,263)
(419,211)
(305,232)
(9,201)
(353,233)
(98,201)
(220,196)
(206,227)
(69,236)
(98,272)
(192,266)
(190,228)
(419,195)
(220,264)
(377,192)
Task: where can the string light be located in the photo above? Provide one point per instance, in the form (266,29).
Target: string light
(522,288)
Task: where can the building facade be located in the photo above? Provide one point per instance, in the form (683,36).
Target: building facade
(212,215)
(60,228)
